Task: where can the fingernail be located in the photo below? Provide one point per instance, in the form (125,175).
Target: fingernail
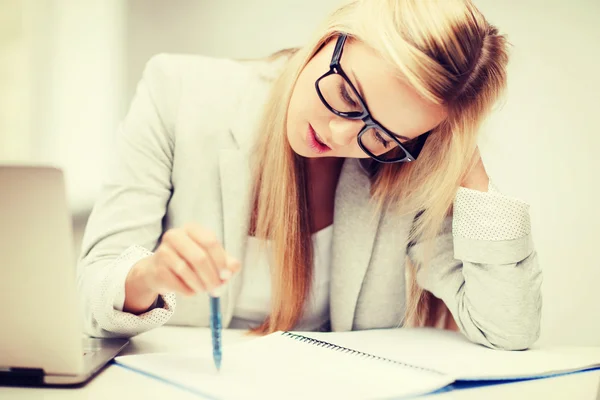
(225,274)
(232,261)
(216,292)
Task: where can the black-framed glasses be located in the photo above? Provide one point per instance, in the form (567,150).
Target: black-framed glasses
(339,95)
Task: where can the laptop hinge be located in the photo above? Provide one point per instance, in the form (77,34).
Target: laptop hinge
(21,376)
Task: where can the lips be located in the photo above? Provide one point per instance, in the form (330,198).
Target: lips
(314,142)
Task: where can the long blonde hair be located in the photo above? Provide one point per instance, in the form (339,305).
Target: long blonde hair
(453,57)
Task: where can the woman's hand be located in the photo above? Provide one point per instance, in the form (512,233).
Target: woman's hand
(477,178)
(188,260)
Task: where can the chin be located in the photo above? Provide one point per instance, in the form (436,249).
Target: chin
(298,146)
(304,153)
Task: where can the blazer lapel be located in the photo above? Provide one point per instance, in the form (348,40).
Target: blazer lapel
(236,179)
(235,189)
(356,220)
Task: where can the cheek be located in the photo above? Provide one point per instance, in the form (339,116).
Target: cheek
(306,102)
(299,112)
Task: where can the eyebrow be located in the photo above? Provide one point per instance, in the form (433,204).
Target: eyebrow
(358,87)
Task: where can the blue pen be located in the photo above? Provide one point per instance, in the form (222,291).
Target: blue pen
(215,328)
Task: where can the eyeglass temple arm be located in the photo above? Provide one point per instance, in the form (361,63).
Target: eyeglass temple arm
(337,52)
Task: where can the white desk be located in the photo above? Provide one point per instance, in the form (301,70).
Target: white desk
(115,382)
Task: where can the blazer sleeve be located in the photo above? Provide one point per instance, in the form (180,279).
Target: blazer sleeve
(126,221)
(485,269)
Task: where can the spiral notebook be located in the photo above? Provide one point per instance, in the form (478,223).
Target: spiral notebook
(374,364)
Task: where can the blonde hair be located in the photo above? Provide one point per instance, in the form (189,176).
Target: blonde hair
(453,57)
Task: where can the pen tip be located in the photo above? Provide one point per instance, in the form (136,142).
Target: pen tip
(218,363)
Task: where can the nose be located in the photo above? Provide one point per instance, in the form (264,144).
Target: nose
(344,131)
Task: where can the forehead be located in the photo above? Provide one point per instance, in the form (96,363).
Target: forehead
(390,99)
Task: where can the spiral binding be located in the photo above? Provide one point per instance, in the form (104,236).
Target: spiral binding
(335,347)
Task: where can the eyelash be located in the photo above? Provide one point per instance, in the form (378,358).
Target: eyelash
(346,96)
(380,139)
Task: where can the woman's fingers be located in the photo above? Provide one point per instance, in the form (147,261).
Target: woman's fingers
(198,259)
(209,242)
(172,276)
(233,267)
(195,256)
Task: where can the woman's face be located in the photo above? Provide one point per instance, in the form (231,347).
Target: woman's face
(314,131)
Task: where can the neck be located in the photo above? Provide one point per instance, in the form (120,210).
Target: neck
(324,164)
(322,178)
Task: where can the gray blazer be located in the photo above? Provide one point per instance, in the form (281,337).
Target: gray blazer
(182,155)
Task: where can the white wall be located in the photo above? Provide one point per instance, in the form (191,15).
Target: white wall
(543,147)
(76,84)
(232,28)
(15,101)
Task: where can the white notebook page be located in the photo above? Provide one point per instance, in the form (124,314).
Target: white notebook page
(453,354)
(277,366)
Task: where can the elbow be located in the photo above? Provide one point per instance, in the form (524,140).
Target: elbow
(511,342)
(518,335)
(522,330)
(515,330)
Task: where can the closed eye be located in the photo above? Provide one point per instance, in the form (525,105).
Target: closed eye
(380,139)
(346,96)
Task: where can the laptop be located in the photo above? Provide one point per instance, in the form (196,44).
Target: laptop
(41,337)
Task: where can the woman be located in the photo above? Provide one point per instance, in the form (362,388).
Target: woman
(336,187)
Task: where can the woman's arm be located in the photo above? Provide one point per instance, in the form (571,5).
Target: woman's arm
(485,268)
(126,222)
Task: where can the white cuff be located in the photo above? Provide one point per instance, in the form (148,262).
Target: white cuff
(109,300)
(122,267)
(489,215)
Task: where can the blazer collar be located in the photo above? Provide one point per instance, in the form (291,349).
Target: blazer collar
(236,179)
(254,94)
(235,172)
(355,225)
